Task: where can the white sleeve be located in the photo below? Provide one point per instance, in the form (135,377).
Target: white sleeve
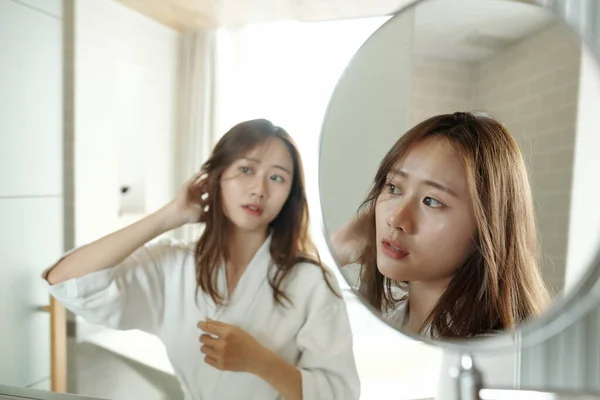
(327,362)
(129,295)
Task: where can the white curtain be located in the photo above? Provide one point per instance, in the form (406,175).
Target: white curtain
(195,131)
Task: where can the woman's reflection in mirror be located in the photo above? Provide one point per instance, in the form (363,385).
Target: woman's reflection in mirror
(446,239)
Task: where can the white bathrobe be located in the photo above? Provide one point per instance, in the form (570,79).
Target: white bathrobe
(154,289)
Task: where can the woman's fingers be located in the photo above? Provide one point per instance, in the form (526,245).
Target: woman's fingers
(198,176)
(198,189)
(209,340)
(209,351)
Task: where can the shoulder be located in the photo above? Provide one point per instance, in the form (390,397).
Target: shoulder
(310,270)
(310,280)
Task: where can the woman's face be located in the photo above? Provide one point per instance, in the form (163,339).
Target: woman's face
(424,221)
(255,187)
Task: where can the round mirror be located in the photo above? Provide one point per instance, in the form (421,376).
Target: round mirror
(456,165)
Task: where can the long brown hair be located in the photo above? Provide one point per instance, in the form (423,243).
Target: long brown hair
(500,284)
(290,243)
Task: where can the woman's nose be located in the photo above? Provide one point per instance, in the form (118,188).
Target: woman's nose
(401,217)
(259,188)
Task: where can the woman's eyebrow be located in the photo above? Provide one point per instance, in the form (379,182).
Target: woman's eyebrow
(427,182)
(256,160)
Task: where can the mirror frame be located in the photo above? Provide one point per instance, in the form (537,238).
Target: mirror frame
(585,294)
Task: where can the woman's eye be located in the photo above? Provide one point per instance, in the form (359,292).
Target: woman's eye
(393,189)
(277,178)
(431,202)
(245,170)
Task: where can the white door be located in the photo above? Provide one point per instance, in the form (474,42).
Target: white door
(31,202)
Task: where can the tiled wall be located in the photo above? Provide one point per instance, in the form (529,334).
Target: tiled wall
(532,88)
(438,87)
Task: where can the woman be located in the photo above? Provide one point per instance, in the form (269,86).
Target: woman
(446,238)
(249,312)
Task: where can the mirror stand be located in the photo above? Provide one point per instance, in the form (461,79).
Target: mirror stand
(468,379)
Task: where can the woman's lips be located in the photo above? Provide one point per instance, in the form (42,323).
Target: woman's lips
(393,249)
(253,209)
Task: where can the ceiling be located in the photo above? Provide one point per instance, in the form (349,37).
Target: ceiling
(476,29)
(201,14)
(467,30)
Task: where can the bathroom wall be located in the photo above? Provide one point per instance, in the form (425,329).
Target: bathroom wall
(125,110)
(31,182)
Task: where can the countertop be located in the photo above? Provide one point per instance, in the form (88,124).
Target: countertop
(17,393)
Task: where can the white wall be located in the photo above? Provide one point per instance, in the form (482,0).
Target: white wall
(125,96)
(31,192)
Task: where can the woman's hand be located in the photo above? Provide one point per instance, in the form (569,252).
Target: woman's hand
(350,240)
(189,206)
(234,350)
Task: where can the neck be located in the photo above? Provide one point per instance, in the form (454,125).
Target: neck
(422,298)
(241,248)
